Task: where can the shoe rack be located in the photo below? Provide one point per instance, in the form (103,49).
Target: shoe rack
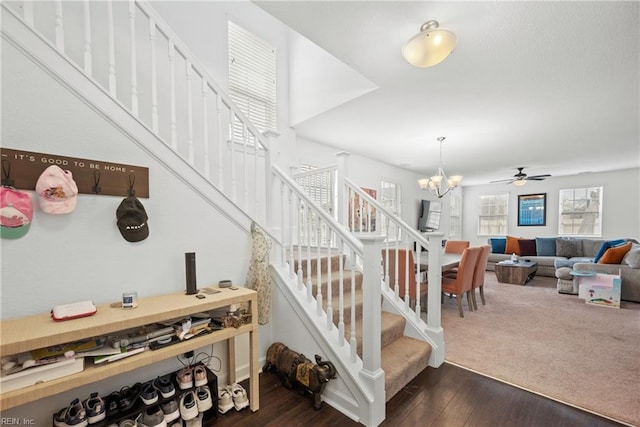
(33,332)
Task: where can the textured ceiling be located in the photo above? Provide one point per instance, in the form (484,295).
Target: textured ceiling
(552,86)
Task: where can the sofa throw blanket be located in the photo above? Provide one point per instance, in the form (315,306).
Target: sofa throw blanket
(258,277)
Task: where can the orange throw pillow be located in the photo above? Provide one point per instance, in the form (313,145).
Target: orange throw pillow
(512,246)
(614,255)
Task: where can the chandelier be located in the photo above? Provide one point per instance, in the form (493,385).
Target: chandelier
(430,46)
(439,184)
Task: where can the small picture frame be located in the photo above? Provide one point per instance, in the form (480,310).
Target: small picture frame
(532,210)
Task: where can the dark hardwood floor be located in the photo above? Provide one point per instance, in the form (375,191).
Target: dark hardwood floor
(447,396)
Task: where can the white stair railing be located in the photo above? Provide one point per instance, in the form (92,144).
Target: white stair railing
(152,74)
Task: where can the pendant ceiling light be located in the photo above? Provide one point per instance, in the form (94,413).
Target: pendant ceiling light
(430,46)
(439,184)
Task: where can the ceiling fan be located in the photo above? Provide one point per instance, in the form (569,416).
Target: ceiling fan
(521,178)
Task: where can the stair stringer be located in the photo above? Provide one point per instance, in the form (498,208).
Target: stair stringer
(347,393)
(415,327)
(68,75)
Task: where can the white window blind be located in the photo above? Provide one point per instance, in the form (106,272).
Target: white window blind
(455,221)
(252,78)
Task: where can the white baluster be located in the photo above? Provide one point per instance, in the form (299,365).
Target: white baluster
(219,142)
(300,272)
(329,284)
(234,196)
(112,50)
(205,129)
(341,294)
(318,268)
(87,39)
(189,70)
(255,175)
(134,71)
(27,6)
(59,27)
(245,168)
(154,76)
(309,280)
(172,91)
(282,224)
(353,341)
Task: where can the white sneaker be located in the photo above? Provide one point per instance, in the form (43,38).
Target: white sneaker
(239,394)
(188,405)
(203,397)
(225,402)
(200,375)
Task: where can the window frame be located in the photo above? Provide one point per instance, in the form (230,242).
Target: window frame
(596,230)
(504,216)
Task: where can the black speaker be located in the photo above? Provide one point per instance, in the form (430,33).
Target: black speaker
(190,269)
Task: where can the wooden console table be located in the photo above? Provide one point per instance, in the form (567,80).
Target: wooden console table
(40,331)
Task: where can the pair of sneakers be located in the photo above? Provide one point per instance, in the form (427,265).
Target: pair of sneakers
(194,402)
(79,414)
(231,396)
(189,376)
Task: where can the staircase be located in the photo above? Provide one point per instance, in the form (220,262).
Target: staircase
(403,357)
(376,340)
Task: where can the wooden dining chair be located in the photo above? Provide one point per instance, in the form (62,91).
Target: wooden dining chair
(402,262)
(462,283)
(478,275)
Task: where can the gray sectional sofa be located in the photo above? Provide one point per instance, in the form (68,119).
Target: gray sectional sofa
(577,254)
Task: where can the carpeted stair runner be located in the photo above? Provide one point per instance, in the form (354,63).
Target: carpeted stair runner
(403,358)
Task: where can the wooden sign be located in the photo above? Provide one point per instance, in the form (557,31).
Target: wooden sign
(21,169)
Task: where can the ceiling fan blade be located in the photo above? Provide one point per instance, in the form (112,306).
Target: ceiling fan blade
(508,181)
(538,177)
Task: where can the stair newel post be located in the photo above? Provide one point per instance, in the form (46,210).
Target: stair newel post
(371,371)
(434,276)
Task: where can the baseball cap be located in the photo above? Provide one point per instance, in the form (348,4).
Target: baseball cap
(16,213)
(132,220)
(57,191)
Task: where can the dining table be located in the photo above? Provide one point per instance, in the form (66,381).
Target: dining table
(448,261)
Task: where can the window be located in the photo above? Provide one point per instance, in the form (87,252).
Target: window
(580,212)
(391,198)
(455,215)
(320,185)
(252,79)
(492,219)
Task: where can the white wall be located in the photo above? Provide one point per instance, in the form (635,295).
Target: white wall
(620,207)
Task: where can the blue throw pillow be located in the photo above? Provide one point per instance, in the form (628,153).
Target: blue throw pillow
(498,244)
(606,245)
(546,246)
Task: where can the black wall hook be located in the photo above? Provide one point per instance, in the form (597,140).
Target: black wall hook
(132,181)
(96,182)
(6,174)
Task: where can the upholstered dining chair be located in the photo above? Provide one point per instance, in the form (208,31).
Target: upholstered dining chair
(478,275)
(462,283)
(455,246)
(405,267)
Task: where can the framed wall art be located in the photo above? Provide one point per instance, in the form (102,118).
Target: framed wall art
(532,209)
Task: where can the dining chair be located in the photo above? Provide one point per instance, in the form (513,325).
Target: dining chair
(455,246)
(461,284)
(402,262)
(478,275)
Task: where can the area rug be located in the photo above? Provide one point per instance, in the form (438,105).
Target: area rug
(551,344)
